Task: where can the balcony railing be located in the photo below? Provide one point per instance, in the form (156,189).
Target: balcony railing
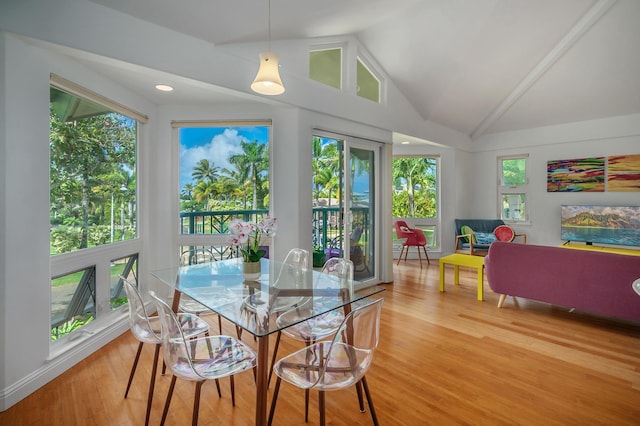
(325,225)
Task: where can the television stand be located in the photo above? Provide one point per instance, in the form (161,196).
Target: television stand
(617,250)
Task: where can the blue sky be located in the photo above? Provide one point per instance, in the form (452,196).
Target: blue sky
(216,144)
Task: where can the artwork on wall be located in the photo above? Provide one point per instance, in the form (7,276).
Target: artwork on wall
(576,175)
(623,173)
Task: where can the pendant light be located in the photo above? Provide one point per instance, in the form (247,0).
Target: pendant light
(267,81)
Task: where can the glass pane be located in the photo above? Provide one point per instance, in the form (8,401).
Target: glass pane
(128,268)
(72,302)
(325,66)
(92,174)
(514,172)
(362,195)
(415,187)
(224,174)
(327,194)
(513,206)
(368,85)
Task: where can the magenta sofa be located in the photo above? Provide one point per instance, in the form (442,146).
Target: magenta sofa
(591,281)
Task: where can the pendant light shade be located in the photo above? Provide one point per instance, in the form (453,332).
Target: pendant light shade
(267,81)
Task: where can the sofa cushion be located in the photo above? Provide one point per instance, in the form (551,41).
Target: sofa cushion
(485,238)
(504,233)
(466,230)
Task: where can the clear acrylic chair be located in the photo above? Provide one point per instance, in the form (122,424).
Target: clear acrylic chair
(146,329)
(195,256)
(341,272)
(294,269)
(335,364)
(200,359)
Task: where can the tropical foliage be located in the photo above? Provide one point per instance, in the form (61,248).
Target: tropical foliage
(414,187)
(245,185)
(92,180)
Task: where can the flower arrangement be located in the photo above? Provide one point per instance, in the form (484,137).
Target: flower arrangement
(247,236)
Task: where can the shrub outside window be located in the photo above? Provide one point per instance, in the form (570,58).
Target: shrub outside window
(512,188)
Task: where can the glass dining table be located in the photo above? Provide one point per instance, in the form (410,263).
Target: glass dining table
(253,306)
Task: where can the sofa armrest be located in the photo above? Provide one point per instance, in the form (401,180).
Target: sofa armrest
(523,236)
(471,250)
(462,239)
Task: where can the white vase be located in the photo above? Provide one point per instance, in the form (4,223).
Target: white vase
(251,271)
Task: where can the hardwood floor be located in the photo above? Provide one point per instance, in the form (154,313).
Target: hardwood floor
(443,359)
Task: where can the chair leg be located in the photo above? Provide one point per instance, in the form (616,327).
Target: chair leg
(369,401)
(321,407)
(419,256)
(306,405)
(426,254)
(152,383)
(400,257)
(360,398)
(220,323)
(273,358)
(218,388)
(233,391)
(274,399)
(165,411)
(196,404)
(133,368)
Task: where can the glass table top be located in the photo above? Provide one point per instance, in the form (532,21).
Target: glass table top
(254,305)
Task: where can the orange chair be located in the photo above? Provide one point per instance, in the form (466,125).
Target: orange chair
(414,237)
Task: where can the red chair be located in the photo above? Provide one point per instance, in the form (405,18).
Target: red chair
(414,237)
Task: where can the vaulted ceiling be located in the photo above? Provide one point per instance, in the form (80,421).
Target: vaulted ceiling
(476,66)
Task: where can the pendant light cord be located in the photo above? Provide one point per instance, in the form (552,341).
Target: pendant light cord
(269,23)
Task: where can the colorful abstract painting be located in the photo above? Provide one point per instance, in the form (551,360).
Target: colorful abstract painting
(577,175)
(623,173)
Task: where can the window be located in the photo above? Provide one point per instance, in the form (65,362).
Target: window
(415,194)
(92,174)
(368,85)
(512,190)
(325,66)
(224,174)
(93,201)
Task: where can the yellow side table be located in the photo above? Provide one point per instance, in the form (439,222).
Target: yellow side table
(468,260)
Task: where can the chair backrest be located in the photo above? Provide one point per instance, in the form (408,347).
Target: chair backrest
(138,318)
(195,256)
(403,230)
(294,267)
(356,234)
(356,339)
(174,344)
(339,267)
(341,270)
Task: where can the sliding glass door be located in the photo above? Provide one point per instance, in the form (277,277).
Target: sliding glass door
(345,204)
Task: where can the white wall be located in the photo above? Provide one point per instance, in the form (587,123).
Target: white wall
(596,138)
(27,361)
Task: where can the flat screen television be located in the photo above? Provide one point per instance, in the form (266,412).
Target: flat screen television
(601,224)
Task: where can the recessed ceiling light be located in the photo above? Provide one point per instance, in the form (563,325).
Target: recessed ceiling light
(405,142)
(164,87)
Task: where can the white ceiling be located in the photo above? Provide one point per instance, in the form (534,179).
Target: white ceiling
(476,66)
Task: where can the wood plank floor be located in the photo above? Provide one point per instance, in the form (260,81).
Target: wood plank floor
(443,359)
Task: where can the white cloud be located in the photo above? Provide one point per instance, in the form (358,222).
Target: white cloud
(218,151)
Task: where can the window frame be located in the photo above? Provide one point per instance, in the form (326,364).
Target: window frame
(97,258)
(375,73)
(325,47)
(425,223)
(513,189)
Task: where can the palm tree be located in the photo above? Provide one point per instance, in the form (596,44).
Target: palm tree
(256,157)
(203,191)
(413,171)
(205,171)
